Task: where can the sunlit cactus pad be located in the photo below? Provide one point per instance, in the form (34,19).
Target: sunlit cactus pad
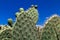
(24,27)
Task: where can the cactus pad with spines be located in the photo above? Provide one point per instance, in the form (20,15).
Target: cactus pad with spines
(24,28)
(49,32)
(6,34)
(33,13)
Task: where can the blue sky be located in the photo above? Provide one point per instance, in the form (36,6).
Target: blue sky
(46,8)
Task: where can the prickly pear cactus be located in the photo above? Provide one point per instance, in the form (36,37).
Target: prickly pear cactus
(33,13)
(24,27)
(6,34)
(57,26)
(49,32)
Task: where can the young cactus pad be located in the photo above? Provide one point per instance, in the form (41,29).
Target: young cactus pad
(10,22)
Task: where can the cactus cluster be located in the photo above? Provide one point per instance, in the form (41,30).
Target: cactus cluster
(24,28)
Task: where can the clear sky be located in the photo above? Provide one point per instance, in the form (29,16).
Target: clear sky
(46,8)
